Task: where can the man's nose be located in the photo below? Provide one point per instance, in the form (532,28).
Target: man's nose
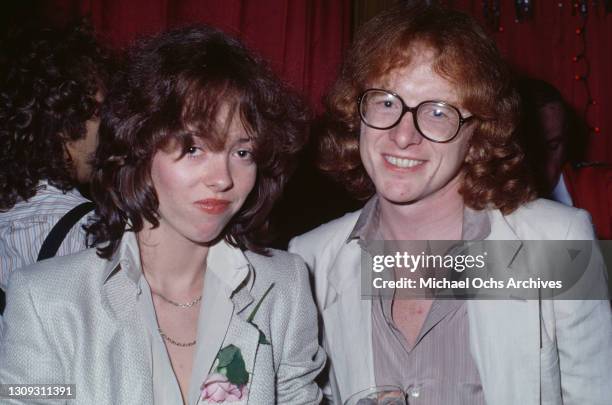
(405,133)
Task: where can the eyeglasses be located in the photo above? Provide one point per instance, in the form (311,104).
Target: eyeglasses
(436,121)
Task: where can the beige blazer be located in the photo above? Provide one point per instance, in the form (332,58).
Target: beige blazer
(573,366)
(74,319)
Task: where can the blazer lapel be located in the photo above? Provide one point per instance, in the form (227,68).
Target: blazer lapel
(227,284)
(242,333)
(119,299)
(215,316)
(504,334)
(348,323)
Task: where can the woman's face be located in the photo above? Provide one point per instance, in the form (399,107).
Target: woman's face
(201,191)
(404,166)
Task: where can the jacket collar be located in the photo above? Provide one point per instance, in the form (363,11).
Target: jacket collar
(228,264)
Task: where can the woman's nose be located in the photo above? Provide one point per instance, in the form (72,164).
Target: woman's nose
(218,176)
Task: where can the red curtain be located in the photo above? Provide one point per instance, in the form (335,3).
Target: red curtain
(302,39)
(544,46)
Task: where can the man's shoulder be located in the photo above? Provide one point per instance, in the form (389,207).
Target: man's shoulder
(329,234)
(48,202)
(547,219)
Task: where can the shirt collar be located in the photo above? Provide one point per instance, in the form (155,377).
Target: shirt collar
(476,224)
(228,263)
(366,227)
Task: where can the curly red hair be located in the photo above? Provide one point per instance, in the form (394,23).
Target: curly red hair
(494,173)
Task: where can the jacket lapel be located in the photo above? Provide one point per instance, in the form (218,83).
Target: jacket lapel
(348,322)
(504,335)
(119,294)
(227,285)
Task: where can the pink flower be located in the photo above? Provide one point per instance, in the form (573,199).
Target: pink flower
(217,389)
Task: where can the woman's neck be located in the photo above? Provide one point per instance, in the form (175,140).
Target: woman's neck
(172,265)
(436,217)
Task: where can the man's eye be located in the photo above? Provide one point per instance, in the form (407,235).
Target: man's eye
(438,113)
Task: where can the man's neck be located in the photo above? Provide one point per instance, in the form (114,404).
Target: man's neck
(437,217)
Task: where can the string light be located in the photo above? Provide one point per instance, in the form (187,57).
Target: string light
(585,66)
(582,68)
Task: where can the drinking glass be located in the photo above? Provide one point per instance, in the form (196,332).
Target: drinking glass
(379,395)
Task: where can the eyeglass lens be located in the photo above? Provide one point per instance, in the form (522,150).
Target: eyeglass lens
(383,110)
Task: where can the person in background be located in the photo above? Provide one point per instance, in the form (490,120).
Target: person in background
(52,82)
(180,302)
(553,142)
(422,123)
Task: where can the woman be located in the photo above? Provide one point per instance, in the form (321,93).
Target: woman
(179,304)
(422,124)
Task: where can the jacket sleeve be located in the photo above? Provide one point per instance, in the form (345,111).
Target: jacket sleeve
(27,354)
(584,332)
(302,357)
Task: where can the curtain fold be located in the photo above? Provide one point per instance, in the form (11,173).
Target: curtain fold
(544,47)
(302,39)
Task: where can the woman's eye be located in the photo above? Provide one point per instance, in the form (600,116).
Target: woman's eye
(438,113)
(193,151)
(244,154)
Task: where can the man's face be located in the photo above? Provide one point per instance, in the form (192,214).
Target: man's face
(82,150)
(552,122)
(404,166)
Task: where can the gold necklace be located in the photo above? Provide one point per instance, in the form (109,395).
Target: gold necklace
(179,305)
(174,342)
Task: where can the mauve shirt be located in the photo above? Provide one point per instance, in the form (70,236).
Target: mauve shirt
(439,368)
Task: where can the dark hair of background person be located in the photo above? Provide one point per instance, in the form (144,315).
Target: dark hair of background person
(535,94)
(172,90)
(48,82)
(534,137)
(495,174)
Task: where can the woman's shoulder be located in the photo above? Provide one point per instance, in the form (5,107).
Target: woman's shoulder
(547,219)
(60,276)
(277,266)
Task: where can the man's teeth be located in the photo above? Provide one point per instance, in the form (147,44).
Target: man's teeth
(403,163)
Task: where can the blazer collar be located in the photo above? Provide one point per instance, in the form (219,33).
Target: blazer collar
(126,258)
(348,261)
(228,264)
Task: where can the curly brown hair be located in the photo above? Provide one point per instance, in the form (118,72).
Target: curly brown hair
(48,82)
(172,90)
(494,172)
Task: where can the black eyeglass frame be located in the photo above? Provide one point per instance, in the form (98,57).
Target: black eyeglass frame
(413,111)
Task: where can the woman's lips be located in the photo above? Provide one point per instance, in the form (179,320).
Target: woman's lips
(213,206)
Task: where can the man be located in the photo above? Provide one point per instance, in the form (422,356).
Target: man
(422,123)
(51,88)
(553,143)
